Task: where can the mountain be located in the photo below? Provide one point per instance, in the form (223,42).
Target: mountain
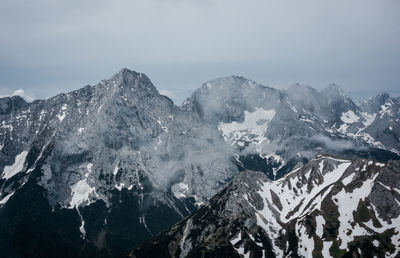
(276,130)
(328,207)
(102,168)
(98,171)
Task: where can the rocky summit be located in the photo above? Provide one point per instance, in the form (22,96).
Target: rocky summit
(98,171)
(102,168)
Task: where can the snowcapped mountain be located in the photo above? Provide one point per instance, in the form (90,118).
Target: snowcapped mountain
(273,131)
(118,161)
(328,207)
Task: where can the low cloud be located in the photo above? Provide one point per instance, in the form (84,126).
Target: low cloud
(337,145)
(167,93)
(305,146)
(19,92)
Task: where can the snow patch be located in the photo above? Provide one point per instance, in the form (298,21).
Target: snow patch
(290,200)
(320,225)
(88,169)
(369,118)
(240,249)
(386,109)
(306,245)
(347,180)
(62,114)
(347,203)
(82,227)
(6,198)
(120,186)
(252,129)
(115,172)
(179,190)
(349,117)
(80,192)
(12,170)
(343,128)
(325,249)
(235,240)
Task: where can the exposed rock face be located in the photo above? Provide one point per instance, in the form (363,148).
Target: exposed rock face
(329,207)
(385,194)
(115,149)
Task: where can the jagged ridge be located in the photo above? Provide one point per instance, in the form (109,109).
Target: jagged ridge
(329,207)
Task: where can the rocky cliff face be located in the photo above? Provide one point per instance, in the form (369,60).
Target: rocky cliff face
(119,149)
(329,207)
(273,131)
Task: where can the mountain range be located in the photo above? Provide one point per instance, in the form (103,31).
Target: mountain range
(273,130)
(100,170)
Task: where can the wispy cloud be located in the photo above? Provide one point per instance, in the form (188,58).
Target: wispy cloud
(167,93)
(19,92)
(337,144)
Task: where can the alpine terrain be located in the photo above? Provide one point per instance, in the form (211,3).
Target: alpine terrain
(329,207)
(273,130)
(103,168)
(98,171)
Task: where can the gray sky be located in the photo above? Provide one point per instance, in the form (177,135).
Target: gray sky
(48,47)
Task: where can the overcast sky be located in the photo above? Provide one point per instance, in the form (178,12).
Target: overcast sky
(48,46)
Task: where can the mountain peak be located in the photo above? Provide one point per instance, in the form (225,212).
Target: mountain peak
(300,87)
(334,94)
(381,97)
(373,104)
(333,88)
(232,80)
(11,103)
(125,73)
(126,77)
(383,94)
(14,98)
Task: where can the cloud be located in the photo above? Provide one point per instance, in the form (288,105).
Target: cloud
(19,92)
(337,145)
(167,93)
(63,45)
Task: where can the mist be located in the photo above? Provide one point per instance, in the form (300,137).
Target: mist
(337,145)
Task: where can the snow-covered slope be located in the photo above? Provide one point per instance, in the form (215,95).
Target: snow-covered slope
(329,207)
